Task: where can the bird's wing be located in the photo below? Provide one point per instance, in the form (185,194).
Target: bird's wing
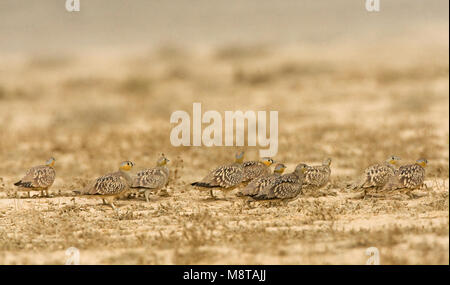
(225,176)
(378,175)
(257,185)
(109,184)
(316,176)
(38,177)
(411,176)
(253,169)
(284,187)
(150,178)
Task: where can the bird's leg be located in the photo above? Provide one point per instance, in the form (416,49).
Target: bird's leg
(111,203)
(212,194)
(104,202)
(29,196)
(42,193)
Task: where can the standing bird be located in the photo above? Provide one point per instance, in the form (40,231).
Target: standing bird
(255,169)
(225,177)
(286,187)
(410,176)
(38,178)
(317,176)
(152,179)
(110,186)
(259,183)
(377,175)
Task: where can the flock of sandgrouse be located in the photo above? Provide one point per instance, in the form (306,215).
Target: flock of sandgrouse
(254,178)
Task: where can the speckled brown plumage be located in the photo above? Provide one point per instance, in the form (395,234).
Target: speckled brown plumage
(254,169)
(39,178)
(377,175)
(411,176)
(317,176)
(152,179)
(111,185)
(260,183)
(225,177)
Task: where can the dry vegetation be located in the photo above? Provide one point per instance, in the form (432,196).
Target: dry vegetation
(92,111)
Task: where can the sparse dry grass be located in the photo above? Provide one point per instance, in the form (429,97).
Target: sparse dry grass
(92,113)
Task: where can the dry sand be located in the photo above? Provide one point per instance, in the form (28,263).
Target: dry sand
(355,87)
(90,112)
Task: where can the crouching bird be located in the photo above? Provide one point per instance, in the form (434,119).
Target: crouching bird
(260,183)
(285,188)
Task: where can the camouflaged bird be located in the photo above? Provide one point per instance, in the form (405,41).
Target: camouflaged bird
(377,175)
(152,179)
(317,176)
(259,183)
(254,169)
(410,176)
(286,187)
(110,186)
(225,177)
(38,178)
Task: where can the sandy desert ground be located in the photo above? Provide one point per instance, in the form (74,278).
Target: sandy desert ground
(352,100)
(92,112)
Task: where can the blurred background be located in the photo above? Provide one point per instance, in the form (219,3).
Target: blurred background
(102,83)
(47,27)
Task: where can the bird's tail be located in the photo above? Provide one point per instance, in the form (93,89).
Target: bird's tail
(23,184)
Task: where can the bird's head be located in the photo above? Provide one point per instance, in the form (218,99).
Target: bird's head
(126,165)
(239,158)
(393,159)
(162,160)
(301,169)
(50,162)
(267,161)
(422,162)
(279,168)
